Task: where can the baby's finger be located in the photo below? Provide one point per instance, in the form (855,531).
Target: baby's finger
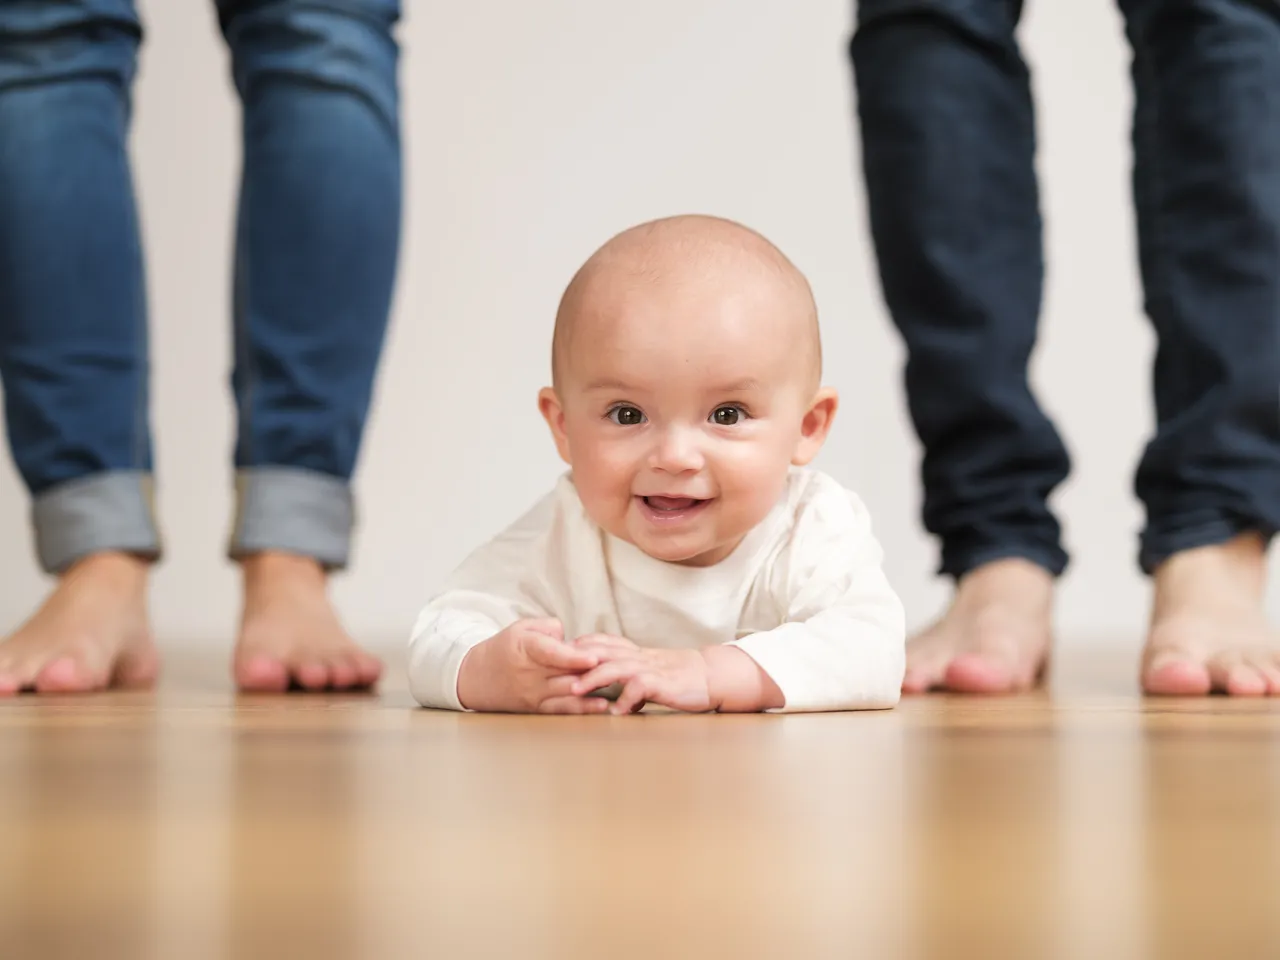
(634,695)
(608,653)
(613,671)
(573,705)
(547,626)
(560,686)
(557,655)
(605,641)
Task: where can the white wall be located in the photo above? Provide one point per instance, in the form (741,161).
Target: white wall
(536,130)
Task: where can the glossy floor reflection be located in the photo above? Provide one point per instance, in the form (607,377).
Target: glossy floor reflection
(1078,822)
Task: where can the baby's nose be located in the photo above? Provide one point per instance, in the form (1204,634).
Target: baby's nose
(677,451)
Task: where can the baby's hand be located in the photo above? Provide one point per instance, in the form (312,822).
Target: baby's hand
(527,668)
(679,679)
(602,643)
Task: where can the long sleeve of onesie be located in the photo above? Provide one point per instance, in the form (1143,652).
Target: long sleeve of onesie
(495,586)
(842,643)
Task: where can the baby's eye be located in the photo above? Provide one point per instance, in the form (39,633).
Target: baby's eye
(626,416)
(727,416)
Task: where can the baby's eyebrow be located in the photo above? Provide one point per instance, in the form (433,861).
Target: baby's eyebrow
(608,384)
(745,385)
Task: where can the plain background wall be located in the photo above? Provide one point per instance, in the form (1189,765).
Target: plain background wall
(533,132)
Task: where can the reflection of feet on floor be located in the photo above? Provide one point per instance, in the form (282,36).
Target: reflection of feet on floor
(1209,631)
(290,635)
(994,638)
(90,633)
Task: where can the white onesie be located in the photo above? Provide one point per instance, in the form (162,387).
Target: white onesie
(803,595)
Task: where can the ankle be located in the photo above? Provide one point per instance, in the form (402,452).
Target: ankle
(117,567)
(1012,579)
(276,566)
(1233,567)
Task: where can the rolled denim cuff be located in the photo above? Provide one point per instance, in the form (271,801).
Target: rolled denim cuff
(1162,540)
(956,563)
(114,510)
(294,511)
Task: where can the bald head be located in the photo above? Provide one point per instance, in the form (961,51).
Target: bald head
(698,255)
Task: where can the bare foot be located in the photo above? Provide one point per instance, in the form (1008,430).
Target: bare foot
(994,638)
(1209,631)
(290,634)
(90,633)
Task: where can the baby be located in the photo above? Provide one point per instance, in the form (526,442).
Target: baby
(688,559)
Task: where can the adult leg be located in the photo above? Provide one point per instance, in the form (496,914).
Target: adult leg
(1207,190)
(316,256)
(948,143)
(73,344)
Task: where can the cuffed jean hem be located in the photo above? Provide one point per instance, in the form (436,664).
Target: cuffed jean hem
(294,511)
(956,563)
(113,510)
(1159,546)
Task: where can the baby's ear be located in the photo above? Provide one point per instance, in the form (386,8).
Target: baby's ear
(816,425)
(553,413)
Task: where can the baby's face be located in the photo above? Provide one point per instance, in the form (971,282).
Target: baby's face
(680,411)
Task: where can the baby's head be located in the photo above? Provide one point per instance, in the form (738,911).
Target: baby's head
(686,367)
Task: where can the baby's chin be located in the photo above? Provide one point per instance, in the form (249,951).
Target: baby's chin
(689,553)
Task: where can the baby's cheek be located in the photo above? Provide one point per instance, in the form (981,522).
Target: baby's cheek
(609,474)
(754,489)
(763,462)
(605,491)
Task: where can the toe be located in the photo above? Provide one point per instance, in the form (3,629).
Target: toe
(262,675)
(926,663)
(1232,674)
(312,675)
(11,679)
(1219,669)
(979,673)
(916,680)
(343,672)
(1177,678)
(1245,680)
(1174,673)
(923,673)
(66,675)
(137,668)
(1270,674)
(368,669)
(1270,669)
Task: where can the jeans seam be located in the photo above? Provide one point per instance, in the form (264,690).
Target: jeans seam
(142,349)
(1148,184)
(244,351)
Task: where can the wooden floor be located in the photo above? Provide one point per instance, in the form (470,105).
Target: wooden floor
(1082,822)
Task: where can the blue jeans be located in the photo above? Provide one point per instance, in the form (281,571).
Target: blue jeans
(948,141)
(316,248)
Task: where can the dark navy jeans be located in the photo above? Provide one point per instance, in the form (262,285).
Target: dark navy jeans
(315,261)
(948,141)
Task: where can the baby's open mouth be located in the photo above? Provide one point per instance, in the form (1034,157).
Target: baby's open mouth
(671,504)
